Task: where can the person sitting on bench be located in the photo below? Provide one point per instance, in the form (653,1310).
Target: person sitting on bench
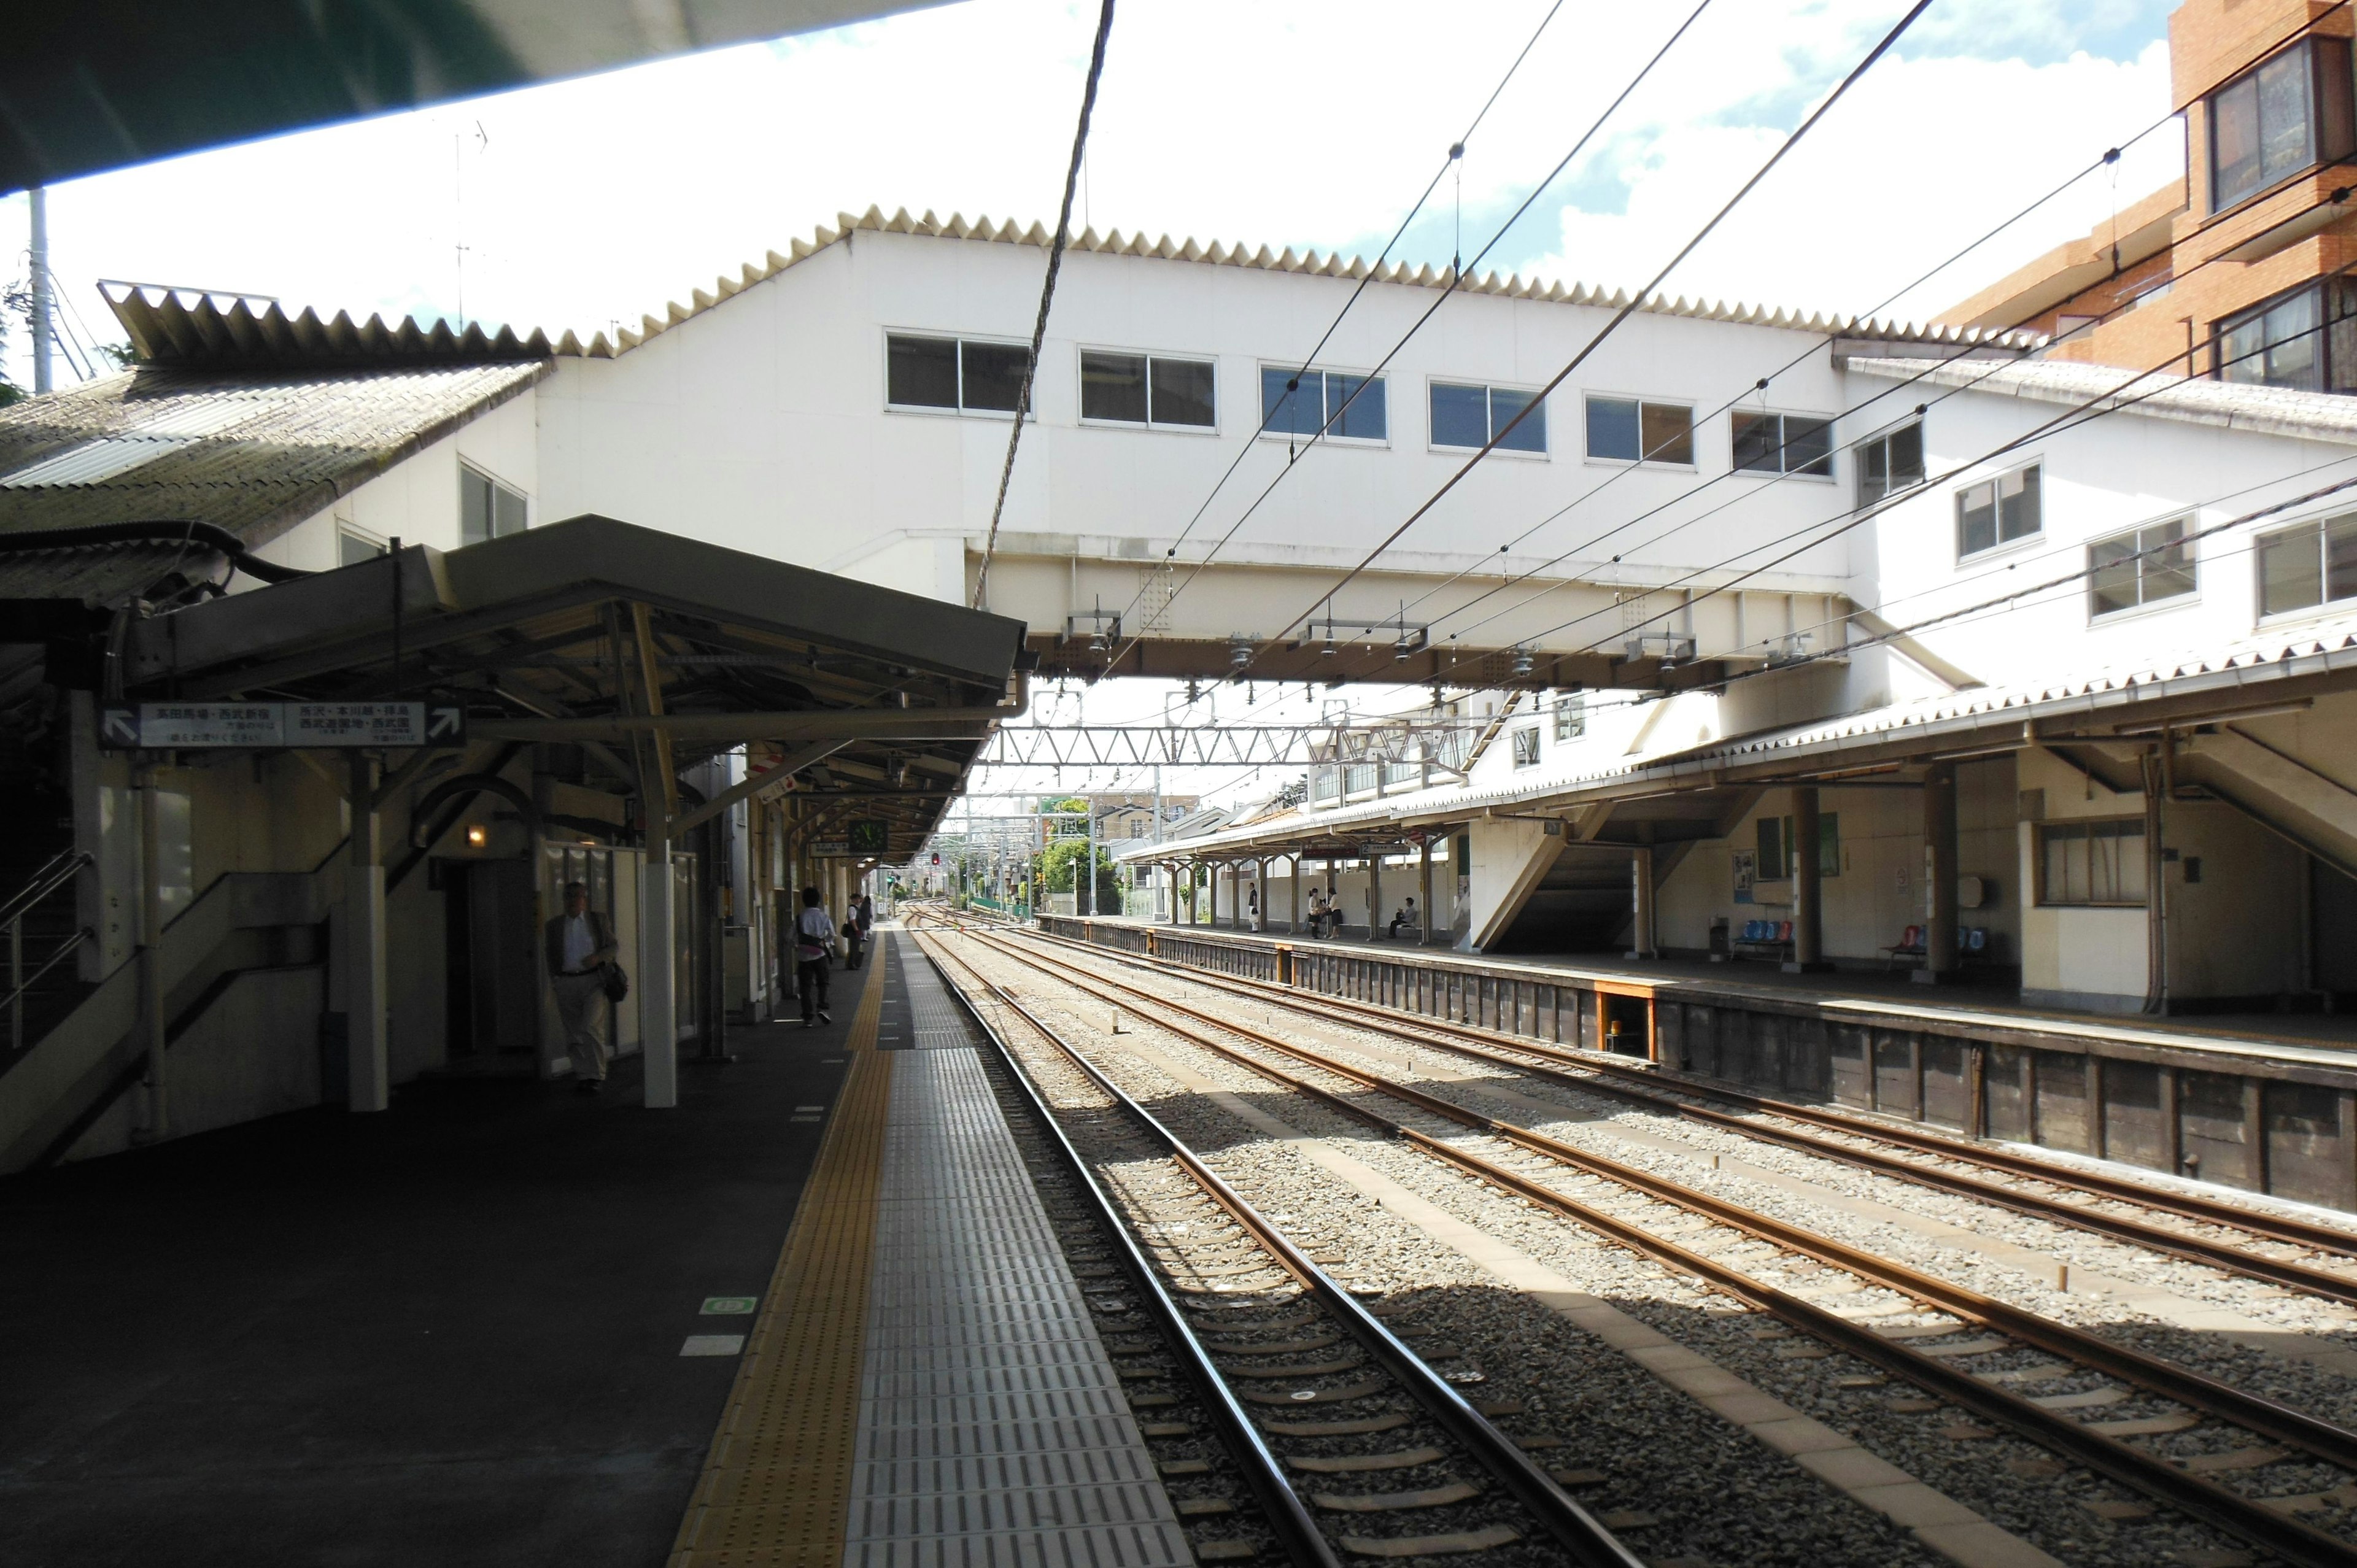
(1402,916)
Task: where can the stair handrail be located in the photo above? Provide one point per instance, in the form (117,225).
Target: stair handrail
(61,869)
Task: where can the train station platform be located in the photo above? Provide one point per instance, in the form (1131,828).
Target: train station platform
(816,1309)
(2264,1102)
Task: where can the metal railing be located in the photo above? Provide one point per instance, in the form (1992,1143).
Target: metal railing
(59,872)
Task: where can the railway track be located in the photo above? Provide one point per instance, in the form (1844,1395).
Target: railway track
(1882,1320)
(2059,1195)
(1269,1333)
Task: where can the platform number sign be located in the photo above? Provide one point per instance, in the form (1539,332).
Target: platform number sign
(868,838)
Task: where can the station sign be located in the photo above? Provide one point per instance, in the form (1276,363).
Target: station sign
(868,837)
(831,849)
(191,727)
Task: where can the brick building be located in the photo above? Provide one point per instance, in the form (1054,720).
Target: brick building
(2241,269)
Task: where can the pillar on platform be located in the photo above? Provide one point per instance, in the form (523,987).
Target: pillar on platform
(1808,886)
(1942,961)
(1424,892)
(369,1086)
(1374,890)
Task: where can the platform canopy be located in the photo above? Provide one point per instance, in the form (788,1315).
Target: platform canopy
(100,84)
(649,651)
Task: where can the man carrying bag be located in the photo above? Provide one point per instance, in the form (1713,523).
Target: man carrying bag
(582,972)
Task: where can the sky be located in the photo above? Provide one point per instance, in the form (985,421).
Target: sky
(1314,124)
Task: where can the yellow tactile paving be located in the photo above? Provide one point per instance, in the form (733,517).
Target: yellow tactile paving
(776,1487)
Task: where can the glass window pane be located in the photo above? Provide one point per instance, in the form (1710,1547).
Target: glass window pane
(1906,457)
(2336,128)
(1976,518)
(2285,124)
(2294,356)
(2128,867)
(1113,386)
(1667,430)
(993,378)
(1355,405)
(2017,511)
(2291,571)
(507,511)
(1291,408)
(1530,435)
(2242,350)
(474,508)
(2112,580)
(2168,565)
(1759,443)
(1808,447)
(2341,557)
(1873,471)
(2056,868)
(2078,882)
(351,549)
(1183,393)
(1771,849)
(1613,428)
(921,372)
(2234,143)
(1460,415)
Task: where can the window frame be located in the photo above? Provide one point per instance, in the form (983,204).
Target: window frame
(1528,750)
(1883,436)
(1095,422)
(960,339)
(2320,527)
(2085,827)
(1783,437)
(2332,374)
(1569,712)
(467,470)
(1325,435)
(2321,73)
(2186,525)
(1996,476)
(1490,391)
(347,532)
(1694,432)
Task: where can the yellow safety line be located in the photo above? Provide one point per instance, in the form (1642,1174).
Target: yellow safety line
(776,1489)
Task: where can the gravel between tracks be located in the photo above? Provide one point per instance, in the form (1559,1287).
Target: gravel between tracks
(1998,1476)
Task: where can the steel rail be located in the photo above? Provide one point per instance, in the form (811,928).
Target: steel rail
(1289,1518)
(1624,1080)
(1588,1543)
(2246,1518)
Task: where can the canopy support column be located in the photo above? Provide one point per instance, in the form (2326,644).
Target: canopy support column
(369,1080)
(1808,886)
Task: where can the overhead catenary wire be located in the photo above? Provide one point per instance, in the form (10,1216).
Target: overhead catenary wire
(2084,412)
(1455,280)
(1538,399)
(1047,298)
(2110,158)
(1453,161)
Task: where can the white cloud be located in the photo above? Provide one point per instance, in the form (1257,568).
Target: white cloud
(596,200)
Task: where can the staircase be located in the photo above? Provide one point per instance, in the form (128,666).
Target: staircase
(40,930)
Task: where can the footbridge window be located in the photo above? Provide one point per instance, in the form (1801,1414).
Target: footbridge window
(1783,444)
(1303,402)
(954,374)
(1634,430)
(1152,390)
(1998,511)
(1471,416)
(1890,462)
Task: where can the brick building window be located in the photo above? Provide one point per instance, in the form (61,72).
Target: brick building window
(2307,339)
(2289,114)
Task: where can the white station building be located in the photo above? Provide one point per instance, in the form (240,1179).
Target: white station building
(2054,665)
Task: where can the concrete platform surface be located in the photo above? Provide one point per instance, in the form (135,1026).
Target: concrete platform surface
(450,1334)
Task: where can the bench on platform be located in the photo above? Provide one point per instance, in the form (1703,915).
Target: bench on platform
(1768,940)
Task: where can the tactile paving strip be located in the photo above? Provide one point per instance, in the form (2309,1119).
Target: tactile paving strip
(992,1430)
(776,1487)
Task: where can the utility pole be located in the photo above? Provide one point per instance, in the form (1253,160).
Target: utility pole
(41,329)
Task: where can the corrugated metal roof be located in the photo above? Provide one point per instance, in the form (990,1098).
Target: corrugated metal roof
(2330,644)
(253,453)
(193,327)
(2236,405)
(1332,264)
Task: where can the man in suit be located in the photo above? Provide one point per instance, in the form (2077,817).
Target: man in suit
(579,946)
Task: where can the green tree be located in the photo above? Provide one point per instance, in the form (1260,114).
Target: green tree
(1062,862)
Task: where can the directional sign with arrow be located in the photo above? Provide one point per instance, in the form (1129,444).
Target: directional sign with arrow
(188,727)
